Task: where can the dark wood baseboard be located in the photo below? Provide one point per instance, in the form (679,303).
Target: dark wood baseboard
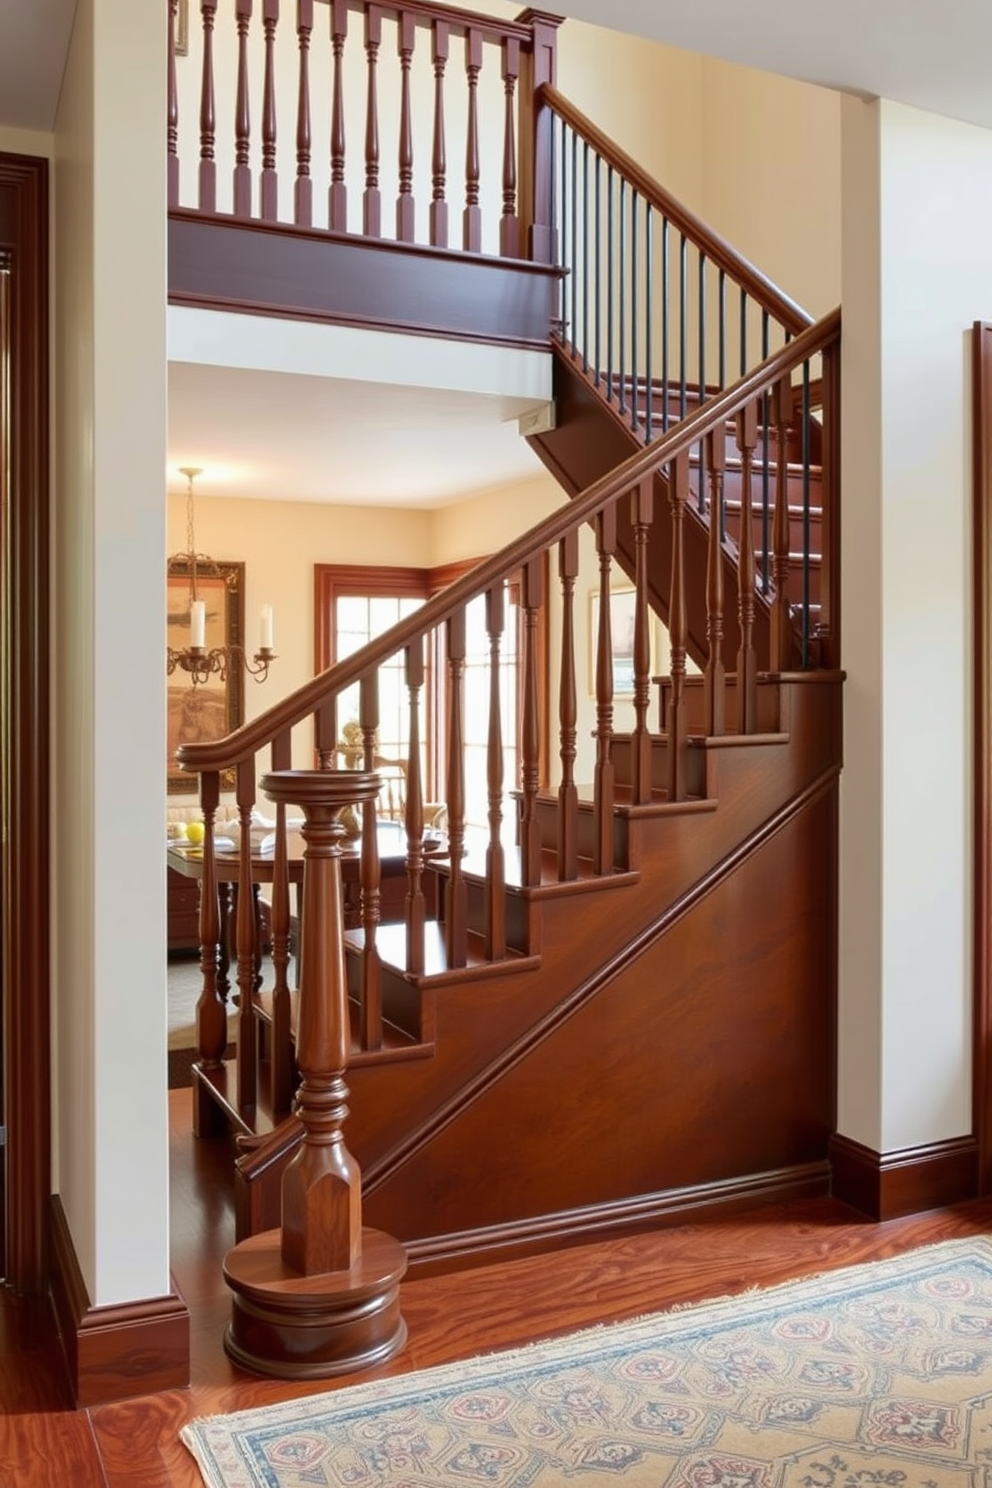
(438,1254)
(113,1353)
(893,1184)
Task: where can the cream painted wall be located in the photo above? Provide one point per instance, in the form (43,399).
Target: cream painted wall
(917,273)
(771,177)
(279,542)
(109,933)
(483,523)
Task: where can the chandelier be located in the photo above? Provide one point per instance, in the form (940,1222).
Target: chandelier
(199,662)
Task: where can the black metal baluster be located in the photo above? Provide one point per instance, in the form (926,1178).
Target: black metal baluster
(806,517)
(566,333)
(665,296)
(585,257)
(743,331)
(765,468)
(598,293)
(702,328)
(633,311)
(622,307)
(575,239)
(609,285)
(683,318)
(648,298)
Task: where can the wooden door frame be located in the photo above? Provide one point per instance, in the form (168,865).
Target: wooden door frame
(25,656)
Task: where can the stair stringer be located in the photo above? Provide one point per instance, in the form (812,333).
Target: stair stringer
(475,1021)
(676,1077)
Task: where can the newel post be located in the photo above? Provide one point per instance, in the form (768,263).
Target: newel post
(538,66)
(319,1295)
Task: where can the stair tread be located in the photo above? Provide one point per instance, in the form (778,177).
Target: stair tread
(396,1042)
(390,942)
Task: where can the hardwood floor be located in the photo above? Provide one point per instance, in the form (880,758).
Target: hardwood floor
(135,1444)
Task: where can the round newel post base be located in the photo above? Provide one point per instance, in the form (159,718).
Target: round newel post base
(291,1326)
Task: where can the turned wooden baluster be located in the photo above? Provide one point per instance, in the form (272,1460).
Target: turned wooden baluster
(370,874)
(678,486)
(303,191)
(245,944)
(456,909)
(568,708)
(641,517)
(325,724)
(472,216)
(439,207)
(172,114)
(372,200)
(531,600)
(747,667)
(242,115)
(603,776)
(269,181)
(415,911)
(282,1062)
(781,619)
(714,679)
(406,32)
(207,179)
(509,226)
(337,195)
(495,900)
(211,1011)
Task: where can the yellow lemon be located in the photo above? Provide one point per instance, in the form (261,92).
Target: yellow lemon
(195,831)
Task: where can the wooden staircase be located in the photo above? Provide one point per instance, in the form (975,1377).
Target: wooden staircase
(643,980)
(614,1004)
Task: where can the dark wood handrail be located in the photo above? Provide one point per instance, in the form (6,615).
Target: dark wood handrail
(455,17)
(716,249)
(245,742)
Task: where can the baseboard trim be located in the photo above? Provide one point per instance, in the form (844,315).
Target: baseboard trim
(437,1254)
(113,1353)
(892,1184)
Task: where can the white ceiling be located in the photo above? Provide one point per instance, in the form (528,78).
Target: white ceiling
(350,442)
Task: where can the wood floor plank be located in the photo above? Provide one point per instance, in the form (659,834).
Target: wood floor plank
(135,1443)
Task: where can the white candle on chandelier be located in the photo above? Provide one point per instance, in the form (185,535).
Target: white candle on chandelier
(197,623)
(265,627)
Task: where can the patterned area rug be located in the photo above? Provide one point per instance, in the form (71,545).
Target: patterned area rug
(879,1374)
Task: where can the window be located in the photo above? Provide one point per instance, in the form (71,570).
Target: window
(355,604)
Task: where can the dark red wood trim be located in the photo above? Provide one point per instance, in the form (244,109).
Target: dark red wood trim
(889,1185)
(24,704)
(216,262)
(332,579)
(981,362)
(113,1353)
(498,1243)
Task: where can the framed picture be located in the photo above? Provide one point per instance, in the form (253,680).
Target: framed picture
(213,709)
(622,609)
(182,28)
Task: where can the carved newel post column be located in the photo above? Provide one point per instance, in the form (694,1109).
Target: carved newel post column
(320,1294)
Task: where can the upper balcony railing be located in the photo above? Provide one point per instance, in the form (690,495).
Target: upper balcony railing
(280,113)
